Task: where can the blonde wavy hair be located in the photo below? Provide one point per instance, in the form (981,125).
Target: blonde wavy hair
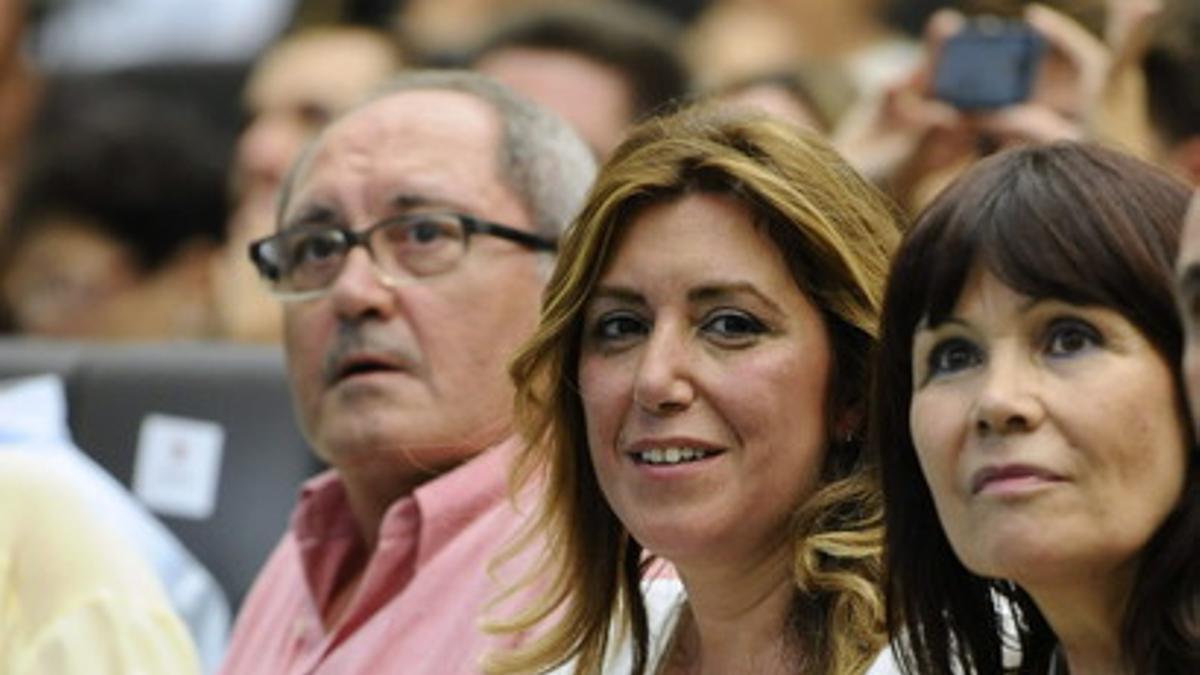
(836,232)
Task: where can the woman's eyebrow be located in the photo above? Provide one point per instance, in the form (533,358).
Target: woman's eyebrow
(950,320)
(619,294)
(722,290)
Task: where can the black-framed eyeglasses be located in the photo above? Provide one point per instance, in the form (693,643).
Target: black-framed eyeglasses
(302,262)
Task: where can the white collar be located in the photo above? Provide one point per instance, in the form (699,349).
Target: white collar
(33,409)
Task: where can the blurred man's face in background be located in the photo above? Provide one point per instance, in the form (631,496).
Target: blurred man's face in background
(591,96)
(294,90)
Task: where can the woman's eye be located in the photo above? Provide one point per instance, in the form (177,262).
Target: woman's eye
(617,326)
(1067,337)
(728,325)
(951,356)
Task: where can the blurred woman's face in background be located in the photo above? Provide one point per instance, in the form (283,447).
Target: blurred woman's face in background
(704,375)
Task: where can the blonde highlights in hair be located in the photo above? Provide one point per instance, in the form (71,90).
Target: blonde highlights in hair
(836,233)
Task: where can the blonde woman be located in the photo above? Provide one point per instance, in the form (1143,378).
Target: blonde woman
(695,393)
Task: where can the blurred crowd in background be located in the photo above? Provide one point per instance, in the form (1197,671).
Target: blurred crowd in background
(142,142)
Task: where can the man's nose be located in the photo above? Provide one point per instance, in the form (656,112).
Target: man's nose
(358,289)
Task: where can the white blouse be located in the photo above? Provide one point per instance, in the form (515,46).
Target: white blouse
(665,598)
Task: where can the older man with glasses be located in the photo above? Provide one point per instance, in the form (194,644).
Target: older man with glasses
(411,253)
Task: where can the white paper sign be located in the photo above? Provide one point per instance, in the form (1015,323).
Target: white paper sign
(178,465)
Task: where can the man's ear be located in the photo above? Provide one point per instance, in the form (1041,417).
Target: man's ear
(1186,156)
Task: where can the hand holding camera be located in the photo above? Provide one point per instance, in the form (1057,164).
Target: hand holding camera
(1048,78)
(990,82)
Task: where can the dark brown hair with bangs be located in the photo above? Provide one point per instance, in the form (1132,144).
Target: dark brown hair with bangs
(1068,221)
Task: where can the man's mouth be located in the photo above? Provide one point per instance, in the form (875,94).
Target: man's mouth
(364,365)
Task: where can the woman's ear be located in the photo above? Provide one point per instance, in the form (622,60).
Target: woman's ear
(847,424)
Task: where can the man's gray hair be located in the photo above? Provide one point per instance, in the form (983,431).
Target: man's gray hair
(541,158)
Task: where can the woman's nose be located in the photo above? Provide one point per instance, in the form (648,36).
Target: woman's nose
(664,378)
(1007,401)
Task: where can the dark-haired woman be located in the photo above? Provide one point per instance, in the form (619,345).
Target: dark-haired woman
(1040,479)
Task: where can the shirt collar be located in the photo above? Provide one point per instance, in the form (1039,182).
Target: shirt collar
(414,528)
(441,506)
(451,502)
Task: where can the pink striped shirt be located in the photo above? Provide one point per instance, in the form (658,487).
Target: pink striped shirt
(421,598)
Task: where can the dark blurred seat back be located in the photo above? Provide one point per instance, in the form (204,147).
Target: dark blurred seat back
(111,389)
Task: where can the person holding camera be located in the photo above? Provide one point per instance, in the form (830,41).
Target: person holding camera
(989,82)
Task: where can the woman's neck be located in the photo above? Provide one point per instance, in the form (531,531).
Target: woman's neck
(1087,620)
(1093,654)
(736,620)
